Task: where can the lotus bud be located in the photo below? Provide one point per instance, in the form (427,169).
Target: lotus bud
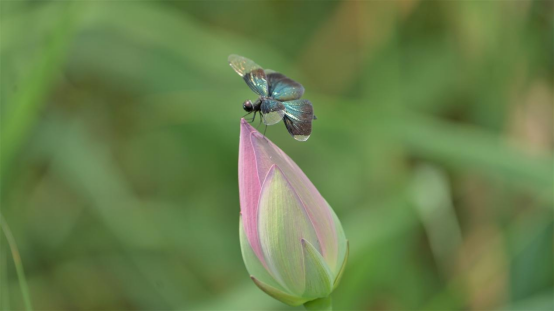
(293,244)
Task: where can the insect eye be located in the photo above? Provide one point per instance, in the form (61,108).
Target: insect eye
(247,105)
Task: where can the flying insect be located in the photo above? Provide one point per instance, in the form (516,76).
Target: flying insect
(278,98)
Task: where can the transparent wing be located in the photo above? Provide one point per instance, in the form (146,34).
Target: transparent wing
(298,118)
(242,65)
(283,88)
(252,73)
(272,111)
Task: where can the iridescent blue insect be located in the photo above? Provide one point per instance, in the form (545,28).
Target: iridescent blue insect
(279,98)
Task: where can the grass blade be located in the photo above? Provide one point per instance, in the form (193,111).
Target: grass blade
(18,263)
(26,105)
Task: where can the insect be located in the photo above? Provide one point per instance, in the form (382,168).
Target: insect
(279,98)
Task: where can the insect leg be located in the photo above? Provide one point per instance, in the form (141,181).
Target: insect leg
(252,120)
(265,130)
(261,118)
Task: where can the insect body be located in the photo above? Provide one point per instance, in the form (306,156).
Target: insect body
(279,98)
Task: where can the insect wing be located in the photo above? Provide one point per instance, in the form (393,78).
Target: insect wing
(283,88)
(242,65)
(252,73)
(298,118)
(272,111)
(257,81)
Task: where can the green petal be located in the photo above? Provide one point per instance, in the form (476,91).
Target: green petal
(320,304)
(252,263)
(283,223)
(319,280)
(277,294)
(339,275)
(341,247)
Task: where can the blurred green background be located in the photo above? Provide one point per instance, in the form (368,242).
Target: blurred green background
(119,145)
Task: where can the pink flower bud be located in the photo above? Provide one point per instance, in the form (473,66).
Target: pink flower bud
(292,242)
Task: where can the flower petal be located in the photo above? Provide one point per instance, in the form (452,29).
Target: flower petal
(342,246)
(253,263)
(339,275)
(278,294)
(315,206)
(249,188)
(320,304)
(319,280)
(283,223)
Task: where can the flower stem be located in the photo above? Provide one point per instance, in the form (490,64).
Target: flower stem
(321,304)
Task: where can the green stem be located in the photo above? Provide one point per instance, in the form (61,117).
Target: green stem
(18,264)
(321,304)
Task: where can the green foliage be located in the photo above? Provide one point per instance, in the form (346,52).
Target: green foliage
(119,143)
